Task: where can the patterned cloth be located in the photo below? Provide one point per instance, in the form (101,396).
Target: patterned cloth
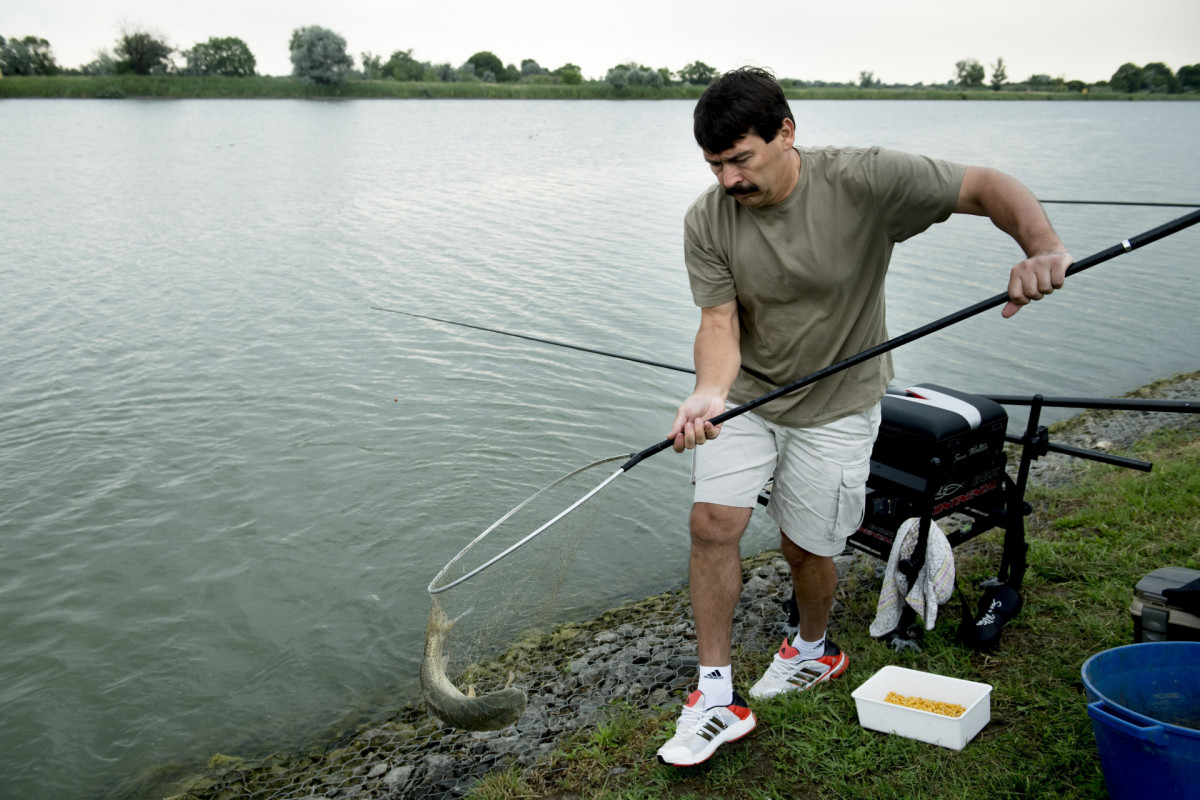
(933,586)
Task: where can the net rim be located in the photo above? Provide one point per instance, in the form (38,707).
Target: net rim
(433,587)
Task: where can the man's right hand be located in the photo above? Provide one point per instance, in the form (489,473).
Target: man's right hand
(717,362)
(691,425)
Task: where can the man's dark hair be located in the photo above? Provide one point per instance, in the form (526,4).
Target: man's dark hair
(746,100)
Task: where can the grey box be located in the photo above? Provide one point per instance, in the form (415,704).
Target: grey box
(1155,618)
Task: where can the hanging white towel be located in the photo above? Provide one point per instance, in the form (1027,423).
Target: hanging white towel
(933,585)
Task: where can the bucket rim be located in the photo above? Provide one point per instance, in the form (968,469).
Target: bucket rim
(1125,710)
(1137,645)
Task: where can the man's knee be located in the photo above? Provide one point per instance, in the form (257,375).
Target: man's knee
(794,554)
(713,524)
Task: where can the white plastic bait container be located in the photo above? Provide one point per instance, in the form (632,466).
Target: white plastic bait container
(954,732)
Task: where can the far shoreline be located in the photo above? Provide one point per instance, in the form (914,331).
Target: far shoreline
(178,87)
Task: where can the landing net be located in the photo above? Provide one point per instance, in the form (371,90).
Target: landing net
(499,594)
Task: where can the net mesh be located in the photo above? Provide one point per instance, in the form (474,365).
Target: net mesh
(495,600)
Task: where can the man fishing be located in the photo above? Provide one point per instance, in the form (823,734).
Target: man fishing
(786,256)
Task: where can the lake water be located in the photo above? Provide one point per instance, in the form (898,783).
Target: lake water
(227,481)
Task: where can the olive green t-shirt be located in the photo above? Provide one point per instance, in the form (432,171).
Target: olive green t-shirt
(808,273)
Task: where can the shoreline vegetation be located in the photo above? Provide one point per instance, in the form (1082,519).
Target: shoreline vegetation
(179,87)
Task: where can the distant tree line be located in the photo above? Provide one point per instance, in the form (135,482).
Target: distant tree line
(1155,78)
(483,66)
(319,55)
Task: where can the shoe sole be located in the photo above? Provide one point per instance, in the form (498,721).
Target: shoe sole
(707,752)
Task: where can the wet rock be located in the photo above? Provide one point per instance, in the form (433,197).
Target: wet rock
(397,777)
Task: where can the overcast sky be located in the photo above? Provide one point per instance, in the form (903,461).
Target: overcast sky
(901,41)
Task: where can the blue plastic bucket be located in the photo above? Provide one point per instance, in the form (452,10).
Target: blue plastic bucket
(1144,703)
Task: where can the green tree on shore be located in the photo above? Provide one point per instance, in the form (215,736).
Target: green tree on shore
(633,74)
(697,73)
(142,53)
(486,62)
(570,74)
(999,74)
(27,56)
(403,67)
(319,55)
(1157,78)
(970,73)
(1189,78)
(228,57)
(103,64)
(1127,78)
(372,66)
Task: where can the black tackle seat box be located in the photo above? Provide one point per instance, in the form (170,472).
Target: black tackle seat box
(965,432)
(1166,606)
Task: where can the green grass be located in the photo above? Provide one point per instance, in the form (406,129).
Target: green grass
(1089,545)
(179,87)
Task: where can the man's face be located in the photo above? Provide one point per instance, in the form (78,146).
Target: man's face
(758,173)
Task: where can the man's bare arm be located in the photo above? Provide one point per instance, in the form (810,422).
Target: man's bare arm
(717,362)
(1013,209)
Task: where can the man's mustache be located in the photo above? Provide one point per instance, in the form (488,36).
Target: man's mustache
(741,189)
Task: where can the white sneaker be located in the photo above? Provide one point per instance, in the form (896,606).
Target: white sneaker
(701,731)
(789,673)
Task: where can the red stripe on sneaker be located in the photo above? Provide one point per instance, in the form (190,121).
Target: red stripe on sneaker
(787,651)
(741,711)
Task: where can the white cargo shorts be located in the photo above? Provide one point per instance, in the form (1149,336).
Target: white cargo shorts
(819,475)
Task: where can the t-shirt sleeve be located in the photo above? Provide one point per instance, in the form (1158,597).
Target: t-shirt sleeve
(913,192)
(708,268)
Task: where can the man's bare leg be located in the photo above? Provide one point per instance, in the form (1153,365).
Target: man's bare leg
(714,713)
(810,658)
(715,569)
(815,579)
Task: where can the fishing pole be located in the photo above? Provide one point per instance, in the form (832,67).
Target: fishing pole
(1125,246)
(538,339)
(1120,203)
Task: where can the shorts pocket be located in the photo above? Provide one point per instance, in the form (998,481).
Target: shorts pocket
(852,496)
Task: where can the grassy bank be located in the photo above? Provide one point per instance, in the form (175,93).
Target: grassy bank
(180,87)
(1089,545)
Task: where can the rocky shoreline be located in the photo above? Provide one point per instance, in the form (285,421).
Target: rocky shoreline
(642,652)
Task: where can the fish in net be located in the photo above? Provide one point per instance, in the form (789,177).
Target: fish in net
(493,601)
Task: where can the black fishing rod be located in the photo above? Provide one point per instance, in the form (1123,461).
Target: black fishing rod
(1120,203)
(1126,246)
(537,339)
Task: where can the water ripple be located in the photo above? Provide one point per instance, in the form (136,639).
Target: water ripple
(227,481)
